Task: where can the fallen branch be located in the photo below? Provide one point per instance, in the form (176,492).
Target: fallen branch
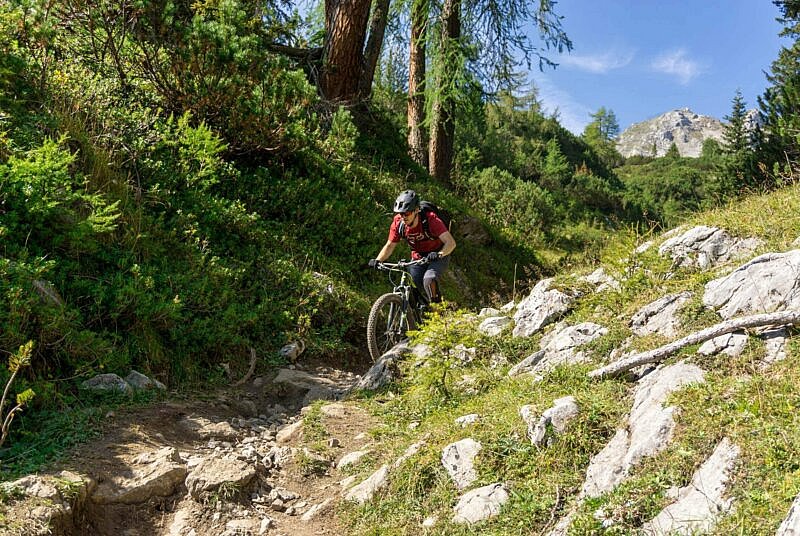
(250,371)
(782,318)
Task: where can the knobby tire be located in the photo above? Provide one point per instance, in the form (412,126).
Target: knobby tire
(386,325)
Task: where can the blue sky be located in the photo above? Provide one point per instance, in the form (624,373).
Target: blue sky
(641,58)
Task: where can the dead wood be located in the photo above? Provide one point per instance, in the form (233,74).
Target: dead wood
(782,318)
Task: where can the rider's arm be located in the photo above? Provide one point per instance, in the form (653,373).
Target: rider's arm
(387,250)
(449,243)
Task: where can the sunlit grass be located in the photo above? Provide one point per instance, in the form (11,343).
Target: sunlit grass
(756,408)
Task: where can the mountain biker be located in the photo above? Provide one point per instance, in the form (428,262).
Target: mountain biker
(435,246)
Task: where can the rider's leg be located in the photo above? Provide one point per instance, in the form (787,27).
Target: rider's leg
(432,289)
(418,275)
(431,278)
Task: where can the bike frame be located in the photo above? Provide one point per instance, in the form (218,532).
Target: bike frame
(396,312)
(406,288)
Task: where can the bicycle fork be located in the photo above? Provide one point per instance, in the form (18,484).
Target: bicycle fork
(403,310)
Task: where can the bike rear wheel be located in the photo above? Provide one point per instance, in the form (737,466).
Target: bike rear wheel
(387,324)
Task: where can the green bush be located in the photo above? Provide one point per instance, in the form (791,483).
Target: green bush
(522,209)
(669,188)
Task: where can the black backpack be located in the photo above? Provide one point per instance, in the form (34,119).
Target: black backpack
(426,207)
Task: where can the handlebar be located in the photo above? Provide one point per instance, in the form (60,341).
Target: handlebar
(400,265)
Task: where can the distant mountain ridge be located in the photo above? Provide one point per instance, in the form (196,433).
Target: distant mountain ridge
(686,129)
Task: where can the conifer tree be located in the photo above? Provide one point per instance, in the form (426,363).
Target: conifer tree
(601,133)
(735,136)
(779,148)
(737,170)
(485,40)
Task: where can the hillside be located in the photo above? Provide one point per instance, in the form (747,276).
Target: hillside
(498,422)
(192,195)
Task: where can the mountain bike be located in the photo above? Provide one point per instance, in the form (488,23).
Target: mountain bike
(396,312)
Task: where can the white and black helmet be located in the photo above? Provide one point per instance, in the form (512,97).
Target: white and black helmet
(406,201)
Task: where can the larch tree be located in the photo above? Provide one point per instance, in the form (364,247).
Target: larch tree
(372,50)
(483,40)
(417,134)
(443,108)
(343,49)
(601,133)
(735,136)
(737,168)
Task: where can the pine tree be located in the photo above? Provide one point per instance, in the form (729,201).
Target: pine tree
(737,169)
(735,136)
(780,103)
(672,153)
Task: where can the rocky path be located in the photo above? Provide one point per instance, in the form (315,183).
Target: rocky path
(238,463)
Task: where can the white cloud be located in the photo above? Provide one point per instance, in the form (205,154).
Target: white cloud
(677,63)
(598,63)
(572,115)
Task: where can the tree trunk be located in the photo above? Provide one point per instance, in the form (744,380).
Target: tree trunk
(443,120)
(343,59)
(372,52)
(781,318)
(417,136)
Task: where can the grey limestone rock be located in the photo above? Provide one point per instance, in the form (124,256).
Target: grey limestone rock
(704,247)
(458,458)
(660,316)
(481,503)
(493,325)
(107,382)
(364,491)
(139,382)
(542,306)
(649,430)
(155,474)
(731,344)
(704,501)
(791,523)
(213,473)
(653,137)
(562,346)
(766,284)
(553,419)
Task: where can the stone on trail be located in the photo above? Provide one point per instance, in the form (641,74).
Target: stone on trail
(364,492)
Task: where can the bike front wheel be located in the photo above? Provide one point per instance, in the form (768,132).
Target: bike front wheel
(387,324)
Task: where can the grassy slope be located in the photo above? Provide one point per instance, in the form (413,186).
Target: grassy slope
(758,410)
(272,251)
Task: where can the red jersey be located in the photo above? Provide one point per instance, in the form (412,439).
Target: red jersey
(419,242)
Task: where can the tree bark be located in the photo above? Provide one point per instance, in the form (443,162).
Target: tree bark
(372,52)
(417,135)
(443,120)
(782,318)
(343,59)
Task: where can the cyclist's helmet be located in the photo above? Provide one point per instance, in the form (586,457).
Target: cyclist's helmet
(408,200)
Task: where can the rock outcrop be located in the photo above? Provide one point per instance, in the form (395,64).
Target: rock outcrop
(686,129)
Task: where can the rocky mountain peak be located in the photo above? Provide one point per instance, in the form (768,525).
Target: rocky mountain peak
(686,129)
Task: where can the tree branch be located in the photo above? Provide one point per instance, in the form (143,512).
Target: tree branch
(250,371)
(307,54)
(781,318)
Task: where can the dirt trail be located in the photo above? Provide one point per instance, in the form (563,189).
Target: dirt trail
(293,473)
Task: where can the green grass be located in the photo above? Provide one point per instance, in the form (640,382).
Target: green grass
(757,409)
(539,477)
